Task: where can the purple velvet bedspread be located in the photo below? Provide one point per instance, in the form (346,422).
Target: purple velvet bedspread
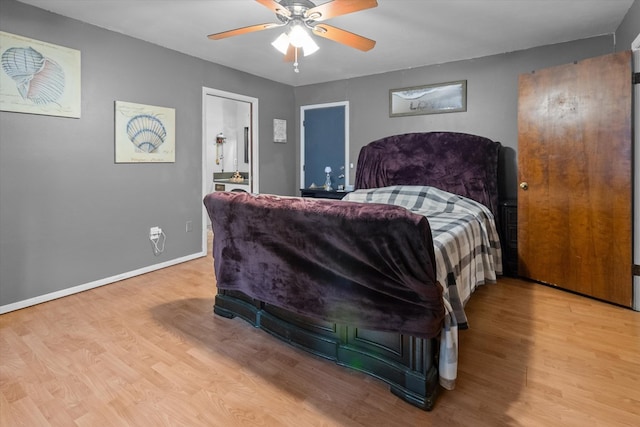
(369,265)
(456,162)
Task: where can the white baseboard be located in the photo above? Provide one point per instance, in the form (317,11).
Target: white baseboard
(80,288)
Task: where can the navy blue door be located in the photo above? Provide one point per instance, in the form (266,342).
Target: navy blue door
(324,145)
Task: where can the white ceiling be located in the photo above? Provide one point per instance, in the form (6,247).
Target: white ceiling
(409,33)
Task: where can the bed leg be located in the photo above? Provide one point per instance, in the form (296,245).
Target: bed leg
(426,401)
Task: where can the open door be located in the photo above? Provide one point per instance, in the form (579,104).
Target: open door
(230,146)
(574,160)
(324,142)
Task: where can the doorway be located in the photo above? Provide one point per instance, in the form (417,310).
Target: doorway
(324,141)
(635,47)
(229,145)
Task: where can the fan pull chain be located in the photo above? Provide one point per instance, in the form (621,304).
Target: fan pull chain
(295,64)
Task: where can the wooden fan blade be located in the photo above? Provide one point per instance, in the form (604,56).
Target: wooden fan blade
(338,7)
(243,30)
(291,54)
(345,37)
(275,6)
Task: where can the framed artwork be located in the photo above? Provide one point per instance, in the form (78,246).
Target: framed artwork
(39,77)
(144,133)
(438,98)
(279,130)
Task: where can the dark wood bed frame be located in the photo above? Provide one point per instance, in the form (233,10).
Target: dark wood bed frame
(407,363)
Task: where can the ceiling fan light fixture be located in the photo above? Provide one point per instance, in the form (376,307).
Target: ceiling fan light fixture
(299,37)
(310,47)
(281,43)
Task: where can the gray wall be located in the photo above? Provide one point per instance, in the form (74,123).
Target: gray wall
(68,214)
(629,28)
(492,98)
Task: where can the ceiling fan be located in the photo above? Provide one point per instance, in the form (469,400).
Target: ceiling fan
(299,16)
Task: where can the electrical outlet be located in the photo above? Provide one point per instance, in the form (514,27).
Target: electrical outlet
(154,233)
(189,226)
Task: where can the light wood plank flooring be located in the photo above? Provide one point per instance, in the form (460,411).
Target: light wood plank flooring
(148,351)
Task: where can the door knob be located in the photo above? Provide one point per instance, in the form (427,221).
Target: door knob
(524,185)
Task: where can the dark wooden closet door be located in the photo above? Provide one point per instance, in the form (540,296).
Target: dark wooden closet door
(574,161)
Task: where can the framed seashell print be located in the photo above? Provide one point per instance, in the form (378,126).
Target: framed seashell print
(39,77)
(144,133)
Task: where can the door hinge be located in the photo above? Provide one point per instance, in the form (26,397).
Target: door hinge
(635,79)
(636,270)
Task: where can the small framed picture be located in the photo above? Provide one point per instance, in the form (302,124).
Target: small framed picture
(280,131)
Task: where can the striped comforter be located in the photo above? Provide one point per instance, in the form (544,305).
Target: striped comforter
(467,249)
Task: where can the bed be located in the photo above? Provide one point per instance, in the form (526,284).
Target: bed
(377,281)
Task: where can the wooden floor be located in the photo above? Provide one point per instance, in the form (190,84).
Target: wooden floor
(148,351)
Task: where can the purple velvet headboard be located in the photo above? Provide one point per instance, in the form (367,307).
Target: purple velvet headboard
(459,163)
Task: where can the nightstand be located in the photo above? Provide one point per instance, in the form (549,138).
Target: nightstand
(509,236)
(319,193)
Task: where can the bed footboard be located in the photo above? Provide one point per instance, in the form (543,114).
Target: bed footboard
(407,363)
(352,282)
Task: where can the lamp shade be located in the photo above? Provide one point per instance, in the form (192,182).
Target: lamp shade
(299,37)
(281,43)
